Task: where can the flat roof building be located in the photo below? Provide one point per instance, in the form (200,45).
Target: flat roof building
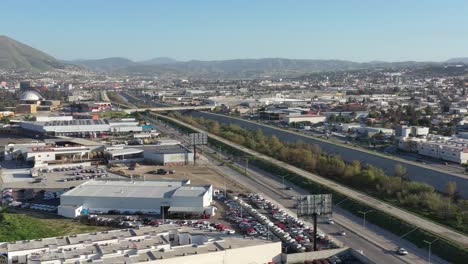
(168,155)
(165,244)
(82,127)
(101,196)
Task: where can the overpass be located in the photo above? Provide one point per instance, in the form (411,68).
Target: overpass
(168,108)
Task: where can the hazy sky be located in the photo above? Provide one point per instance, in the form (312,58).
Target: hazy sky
(358,30)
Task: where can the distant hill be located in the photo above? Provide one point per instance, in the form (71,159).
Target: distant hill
(159,61)
(458,60)
(106,64)
(255,68)
(15,55)
(18,56)
(238,68)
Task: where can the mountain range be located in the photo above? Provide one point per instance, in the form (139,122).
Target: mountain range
(17,56)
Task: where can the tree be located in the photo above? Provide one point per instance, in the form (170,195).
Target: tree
(400,170)
(213,127)
(451,189)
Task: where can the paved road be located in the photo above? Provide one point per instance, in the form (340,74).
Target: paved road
(376,243)
(365,199)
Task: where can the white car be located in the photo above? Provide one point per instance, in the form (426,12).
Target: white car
(330,221)
(342,233)
(401,251)
(229,232)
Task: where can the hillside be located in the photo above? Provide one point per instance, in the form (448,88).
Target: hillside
(106,64)
(15,55)
(255,68)
(458,60)
(159,61)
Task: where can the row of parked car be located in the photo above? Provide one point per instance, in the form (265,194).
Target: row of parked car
(48,195)
(40,207)
(246,222)
(7,196)
(79,167)
(294,233)
(80,177)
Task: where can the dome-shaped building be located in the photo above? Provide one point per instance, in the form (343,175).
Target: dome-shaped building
(30,97)
(29,102)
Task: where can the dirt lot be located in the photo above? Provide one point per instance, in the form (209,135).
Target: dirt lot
(199,174)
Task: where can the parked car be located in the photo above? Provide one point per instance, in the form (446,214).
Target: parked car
(162,172)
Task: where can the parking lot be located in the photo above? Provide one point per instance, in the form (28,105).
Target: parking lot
(199,174)
(255,216)
(53,179)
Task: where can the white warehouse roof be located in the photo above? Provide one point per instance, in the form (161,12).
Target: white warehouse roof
(138,189)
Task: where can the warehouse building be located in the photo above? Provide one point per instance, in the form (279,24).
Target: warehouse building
(166,244)
(304,118)
(82,127)
(123,155)
(170,196)
(169,155)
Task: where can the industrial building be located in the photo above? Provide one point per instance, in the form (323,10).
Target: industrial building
(411,131)
(169,155)
(123,155)
(439,147)
(166,244)
(304,118)
(52,153)
(168,196)
(81,127)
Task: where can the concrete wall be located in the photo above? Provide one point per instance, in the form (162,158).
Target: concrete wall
(69,211)
(322,254)
(164,159)
(432,177)
(153,204)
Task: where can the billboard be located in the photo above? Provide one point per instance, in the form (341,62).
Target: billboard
(320,204)
(198,139)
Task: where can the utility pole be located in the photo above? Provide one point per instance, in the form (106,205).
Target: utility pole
(430,245)
(315,231)
(365,213)
(225,194)
(246,166)
(194,154)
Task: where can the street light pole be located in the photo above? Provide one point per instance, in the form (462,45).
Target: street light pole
(246,166)
(365,213)
(430,245)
